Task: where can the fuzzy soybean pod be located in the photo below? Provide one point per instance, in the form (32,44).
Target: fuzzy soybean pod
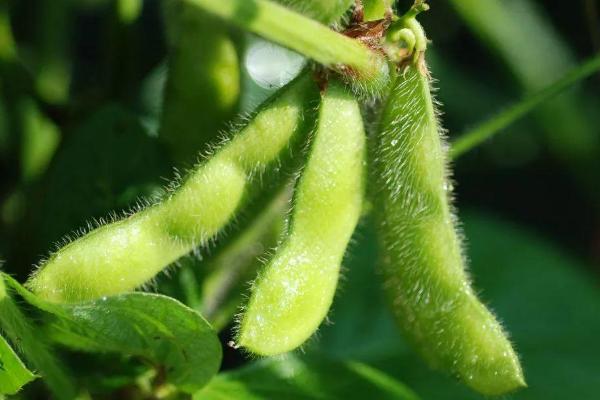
(423,262)
(294,291)
(123,255)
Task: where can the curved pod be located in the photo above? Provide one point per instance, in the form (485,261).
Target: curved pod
(423,263)
(293,293)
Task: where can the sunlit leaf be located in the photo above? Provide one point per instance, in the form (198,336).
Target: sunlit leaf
(150,326)
(13,373)
(34,347)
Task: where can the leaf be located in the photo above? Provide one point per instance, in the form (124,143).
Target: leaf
(13,373)
(146,325)
(103,374)
(34,346)
(150,326)
(547,302)
(294,378)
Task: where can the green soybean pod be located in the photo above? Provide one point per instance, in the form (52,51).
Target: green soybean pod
(294,291)
(423,262)
(203,81)
(123,255)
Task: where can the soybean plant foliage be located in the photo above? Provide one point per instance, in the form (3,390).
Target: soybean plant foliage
(253,199)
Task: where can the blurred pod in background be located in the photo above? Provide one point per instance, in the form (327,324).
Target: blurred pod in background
(7,42)
(39,140)
(52,60)
(129,10)
(203,81)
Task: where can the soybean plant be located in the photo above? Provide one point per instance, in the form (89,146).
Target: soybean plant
(423,263)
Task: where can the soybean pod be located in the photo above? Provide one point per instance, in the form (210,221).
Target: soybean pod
(424,264)
(19,330)
(123,255)
(293,293)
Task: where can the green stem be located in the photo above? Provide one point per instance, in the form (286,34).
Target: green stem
(299,33)
(489,128)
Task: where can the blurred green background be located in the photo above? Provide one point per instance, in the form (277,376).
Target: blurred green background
(101,99)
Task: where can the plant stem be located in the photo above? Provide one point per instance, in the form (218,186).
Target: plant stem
(489,128)
(299,33)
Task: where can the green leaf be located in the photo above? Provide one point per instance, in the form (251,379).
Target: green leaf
(13,373)
(33,345)
(545,298)
(151,326)
(293,378)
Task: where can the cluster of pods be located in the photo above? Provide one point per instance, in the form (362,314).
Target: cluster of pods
(404,160)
